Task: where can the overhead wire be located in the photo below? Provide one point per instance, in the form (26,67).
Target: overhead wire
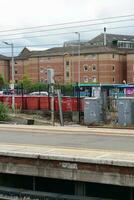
(63,28)
(66,33)
(67,23)
(59,44)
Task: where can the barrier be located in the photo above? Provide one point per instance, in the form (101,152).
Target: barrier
(27,102)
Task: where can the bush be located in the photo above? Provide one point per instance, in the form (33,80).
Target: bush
(3,112)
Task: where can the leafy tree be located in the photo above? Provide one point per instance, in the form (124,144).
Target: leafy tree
(39,87)
(2,81)
(67,89)
(3,112)
(26,82)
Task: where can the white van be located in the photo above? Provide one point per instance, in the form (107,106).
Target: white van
(43,93)
(1,92)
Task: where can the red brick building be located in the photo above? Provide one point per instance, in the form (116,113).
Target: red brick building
(130,67)
(111,63)
(97,64)
(4,67)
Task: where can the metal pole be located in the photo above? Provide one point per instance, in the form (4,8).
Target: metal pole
(78,57)
(60,108)
(79,60)
(12,77)
(78,86)
(13,97)
(52,104)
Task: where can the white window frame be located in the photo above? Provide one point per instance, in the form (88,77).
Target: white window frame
(85,79)
(41,69)
(85,70)
(94,79)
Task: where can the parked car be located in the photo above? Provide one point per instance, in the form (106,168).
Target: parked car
(1,92)
(44,93)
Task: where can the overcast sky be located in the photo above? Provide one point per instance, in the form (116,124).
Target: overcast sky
(16,14)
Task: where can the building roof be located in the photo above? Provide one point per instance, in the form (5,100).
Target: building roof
(24,54)
(110,38)
(93,46)
(2,57)
(60,51)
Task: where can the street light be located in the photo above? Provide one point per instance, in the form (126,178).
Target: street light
(12,54)
(78,57)
(78,88)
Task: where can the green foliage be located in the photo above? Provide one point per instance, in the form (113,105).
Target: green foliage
(26,82)
(3,112)
(2,81)
(90,83)
(28,86)
(67,89)
(39,87)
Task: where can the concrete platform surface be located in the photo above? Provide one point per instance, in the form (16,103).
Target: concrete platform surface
(96,156)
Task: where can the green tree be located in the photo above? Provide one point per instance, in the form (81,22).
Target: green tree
(39,87)
(2,81)
(3,112)
(26,82)
(67,89)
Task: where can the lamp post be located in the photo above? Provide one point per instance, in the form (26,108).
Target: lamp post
(12,63)
(78,86)
(78,57)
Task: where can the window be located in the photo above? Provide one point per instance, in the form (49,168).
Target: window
(133,67)
(67,74)
(94,79)
(94,67)
(126,44)
(85,67)
(16,71)
(85,79)
(113,67)
(41,70)
(16,81)
(113,55)
(113,80)
(67,70)
(45,70)
(67,62)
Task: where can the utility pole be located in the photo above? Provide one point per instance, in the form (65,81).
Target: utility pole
(12,77)
(78,84)
(78,57)
(60,107)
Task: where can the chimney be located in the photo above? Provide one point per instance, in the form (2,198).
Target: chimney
(105,38)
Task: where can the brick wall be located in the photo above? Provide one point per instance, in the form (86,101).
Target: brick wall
(130,68)
(101,68)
